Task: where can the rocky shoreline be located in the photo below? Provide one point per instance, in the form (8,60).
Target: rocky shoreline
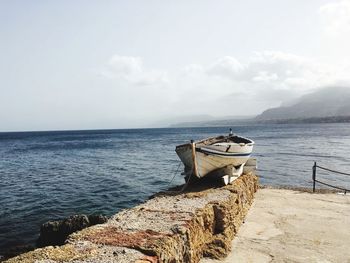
(55,233)
(201,222)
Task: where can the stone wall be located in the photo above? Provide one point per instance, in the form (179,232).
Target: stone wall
(200,222)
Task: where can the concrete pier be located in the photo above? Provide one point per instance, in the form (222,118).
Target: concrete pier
(293,226)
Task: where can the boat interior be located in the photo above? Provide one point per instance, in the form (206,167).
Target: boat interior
(218,139)
(223,139)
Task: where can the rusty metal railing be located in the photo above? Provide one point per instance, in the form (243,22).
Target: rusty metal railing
(315,180)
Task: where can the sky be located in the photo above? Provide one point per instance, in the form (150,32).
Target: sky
(125,64)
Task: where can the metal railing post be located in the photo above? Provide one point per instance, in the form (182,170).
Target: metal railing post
(314,177)
(314,174)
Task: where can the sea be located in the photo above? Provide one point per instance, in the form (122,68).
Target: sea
(52,175)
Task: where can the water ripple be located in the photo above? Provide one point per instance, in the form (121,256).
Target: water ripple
(51,175)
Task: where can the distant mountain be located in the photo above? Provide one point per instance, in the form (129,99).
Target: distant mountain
(327,105)
(166,122)
(321,104)
(220,121)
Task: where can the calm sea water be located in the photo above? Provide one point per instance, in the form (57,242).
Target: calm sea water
(51,175)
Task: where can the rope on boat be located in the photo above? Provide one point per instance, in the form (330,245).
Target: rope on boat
(183,187)
(194,171)
(172,179)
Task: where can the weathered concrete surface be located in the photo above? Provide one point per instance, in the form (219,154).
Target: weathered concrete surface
(177,228)
(292,226)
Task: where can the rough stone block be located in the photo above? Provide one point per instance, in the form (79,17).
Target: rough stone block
(202,221)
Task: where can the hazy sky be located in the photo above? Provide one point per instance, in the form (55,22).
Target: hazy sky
(114,64)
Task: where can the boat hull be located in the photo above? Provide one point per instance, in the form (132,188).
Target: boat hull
(209,159)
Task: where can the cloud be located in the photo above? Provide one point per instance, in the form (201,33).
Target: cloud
(224,87)
(274,70)
(229,86)
(226,66)
(130,69)
(336,17)
(123,65)
(264,76)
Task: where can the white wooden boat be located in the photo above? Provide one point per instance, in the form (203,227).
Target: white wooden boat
(211,155)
